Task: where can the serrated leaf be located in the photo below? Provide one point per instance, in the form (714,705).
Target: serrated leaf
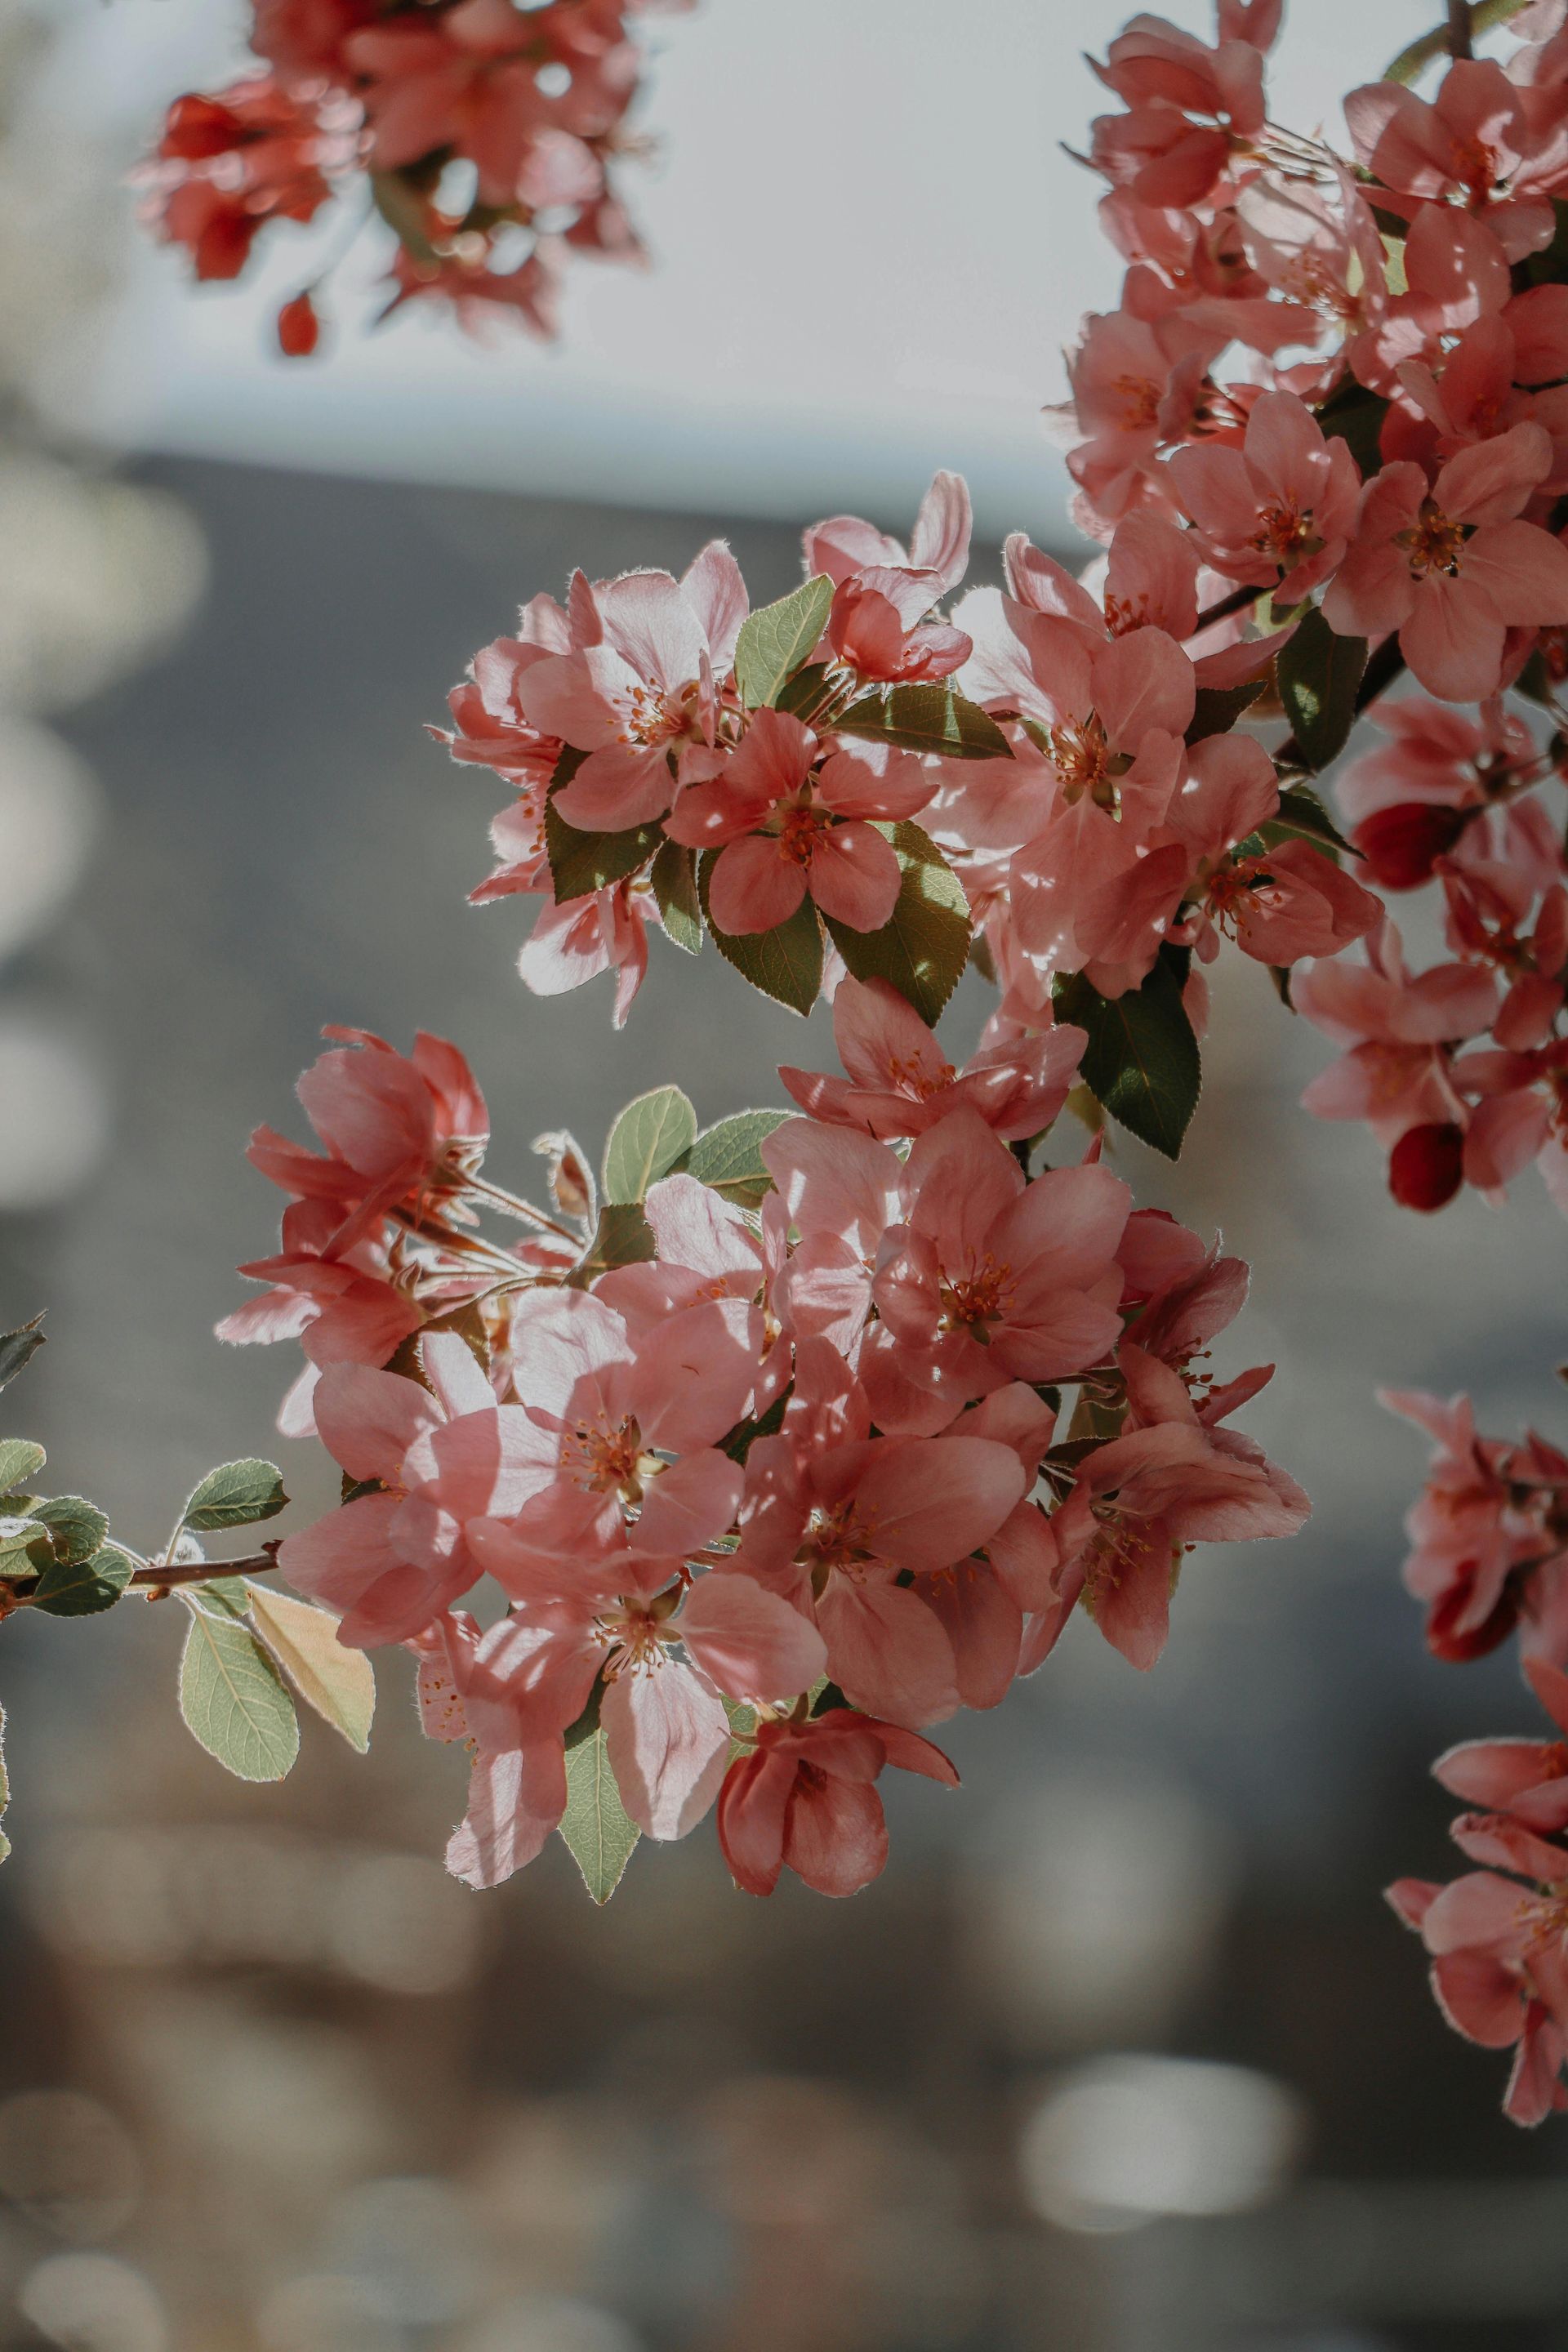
(786,964)
(582,863)
(25,1548)
(17,1348)
(82,1587)
(927,717)
(236,1494)
(76,1526)
(776,641)
(1141,1059)
(728,1158)
(650,1135)
(20,1461)
(1216,709)
(234,1700)
(923,949)
(338,1683)
(1319,674)
(674,879)
(623,1237)
(596,1827)
(1302,817)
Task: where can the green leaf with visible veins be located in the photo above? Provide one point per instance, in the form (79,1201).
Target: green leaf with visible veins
(650,1135)
(236,1494)
(786,964)
(923,947)
(926,717)
(80,1588)
(338,1682)
(596,1826)
(76,1526)
(623,1237)
(728,1158)
(1142,1061)
(776,641)
(20,1462)
(234,1700)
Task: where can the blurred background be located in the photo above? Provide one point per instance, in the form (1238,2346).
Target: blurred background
(1123,2052)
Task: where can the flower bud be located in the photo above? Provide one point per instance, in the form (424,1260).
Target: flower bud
(1403,844)
(299,328)
(1426,1167)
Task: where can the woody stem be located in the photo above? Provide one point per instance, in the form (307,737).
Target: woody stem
(1235,603)
(1460,44)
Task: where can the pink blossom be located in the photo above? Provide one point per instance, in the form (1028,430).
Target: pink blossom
(1473,145)
(1452,568)
(791,827)
(805,1798)
(901,1084)
(1281,508)
(640,700)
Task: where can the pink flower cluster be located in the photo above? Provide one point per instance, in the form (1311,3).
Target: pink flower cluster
(759,1489)
(1499,1936)
(1460,1070)
(1488,1556)
(1066,752)
(488,132)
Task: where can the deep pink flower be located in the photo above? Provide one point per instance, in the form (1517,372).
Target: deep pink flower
(805,1798)
(1473,145)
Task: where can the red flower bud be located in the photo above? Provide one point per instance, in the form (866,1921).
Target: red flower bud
(299,328)
(198,128)
(1403,844)
(1444,1637)
(1426,1167)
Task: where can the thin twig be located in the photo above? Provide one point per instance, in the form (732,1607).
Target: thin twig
(1481,17)
(1462,43)
(1235,603)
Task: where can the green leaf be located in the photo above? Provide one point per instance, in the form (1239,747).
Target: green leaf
(338,1682)
(924,946)
(745,1433)
(594,1825)
(235,1495)
(234,1700)
(1319,674)
(623,1237)
(728,1158)
(1412,60)
(926,717)
(81,1588)
(1356,416)
(650,1135)
(20,1460)
(23,1548)
(1303,818)
(223,1596)
(786,964)
(16,1347)
(776,641)
(674,879)
(1217,708)
(582,863)
(76,1526)
(809,692)
(1142,1060)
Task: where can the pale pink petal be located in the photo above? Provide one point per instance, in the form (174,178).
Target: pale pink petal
(668,1740)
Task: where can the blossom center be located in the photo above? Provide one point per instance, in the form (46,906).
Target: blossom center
(1435,543)
(608,1460)
(972,1301)
(1084,761)
(1285,532)
(913,1077)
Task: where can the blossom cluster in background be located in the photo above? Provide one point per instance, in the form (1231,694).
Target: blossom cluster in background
(487,135)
